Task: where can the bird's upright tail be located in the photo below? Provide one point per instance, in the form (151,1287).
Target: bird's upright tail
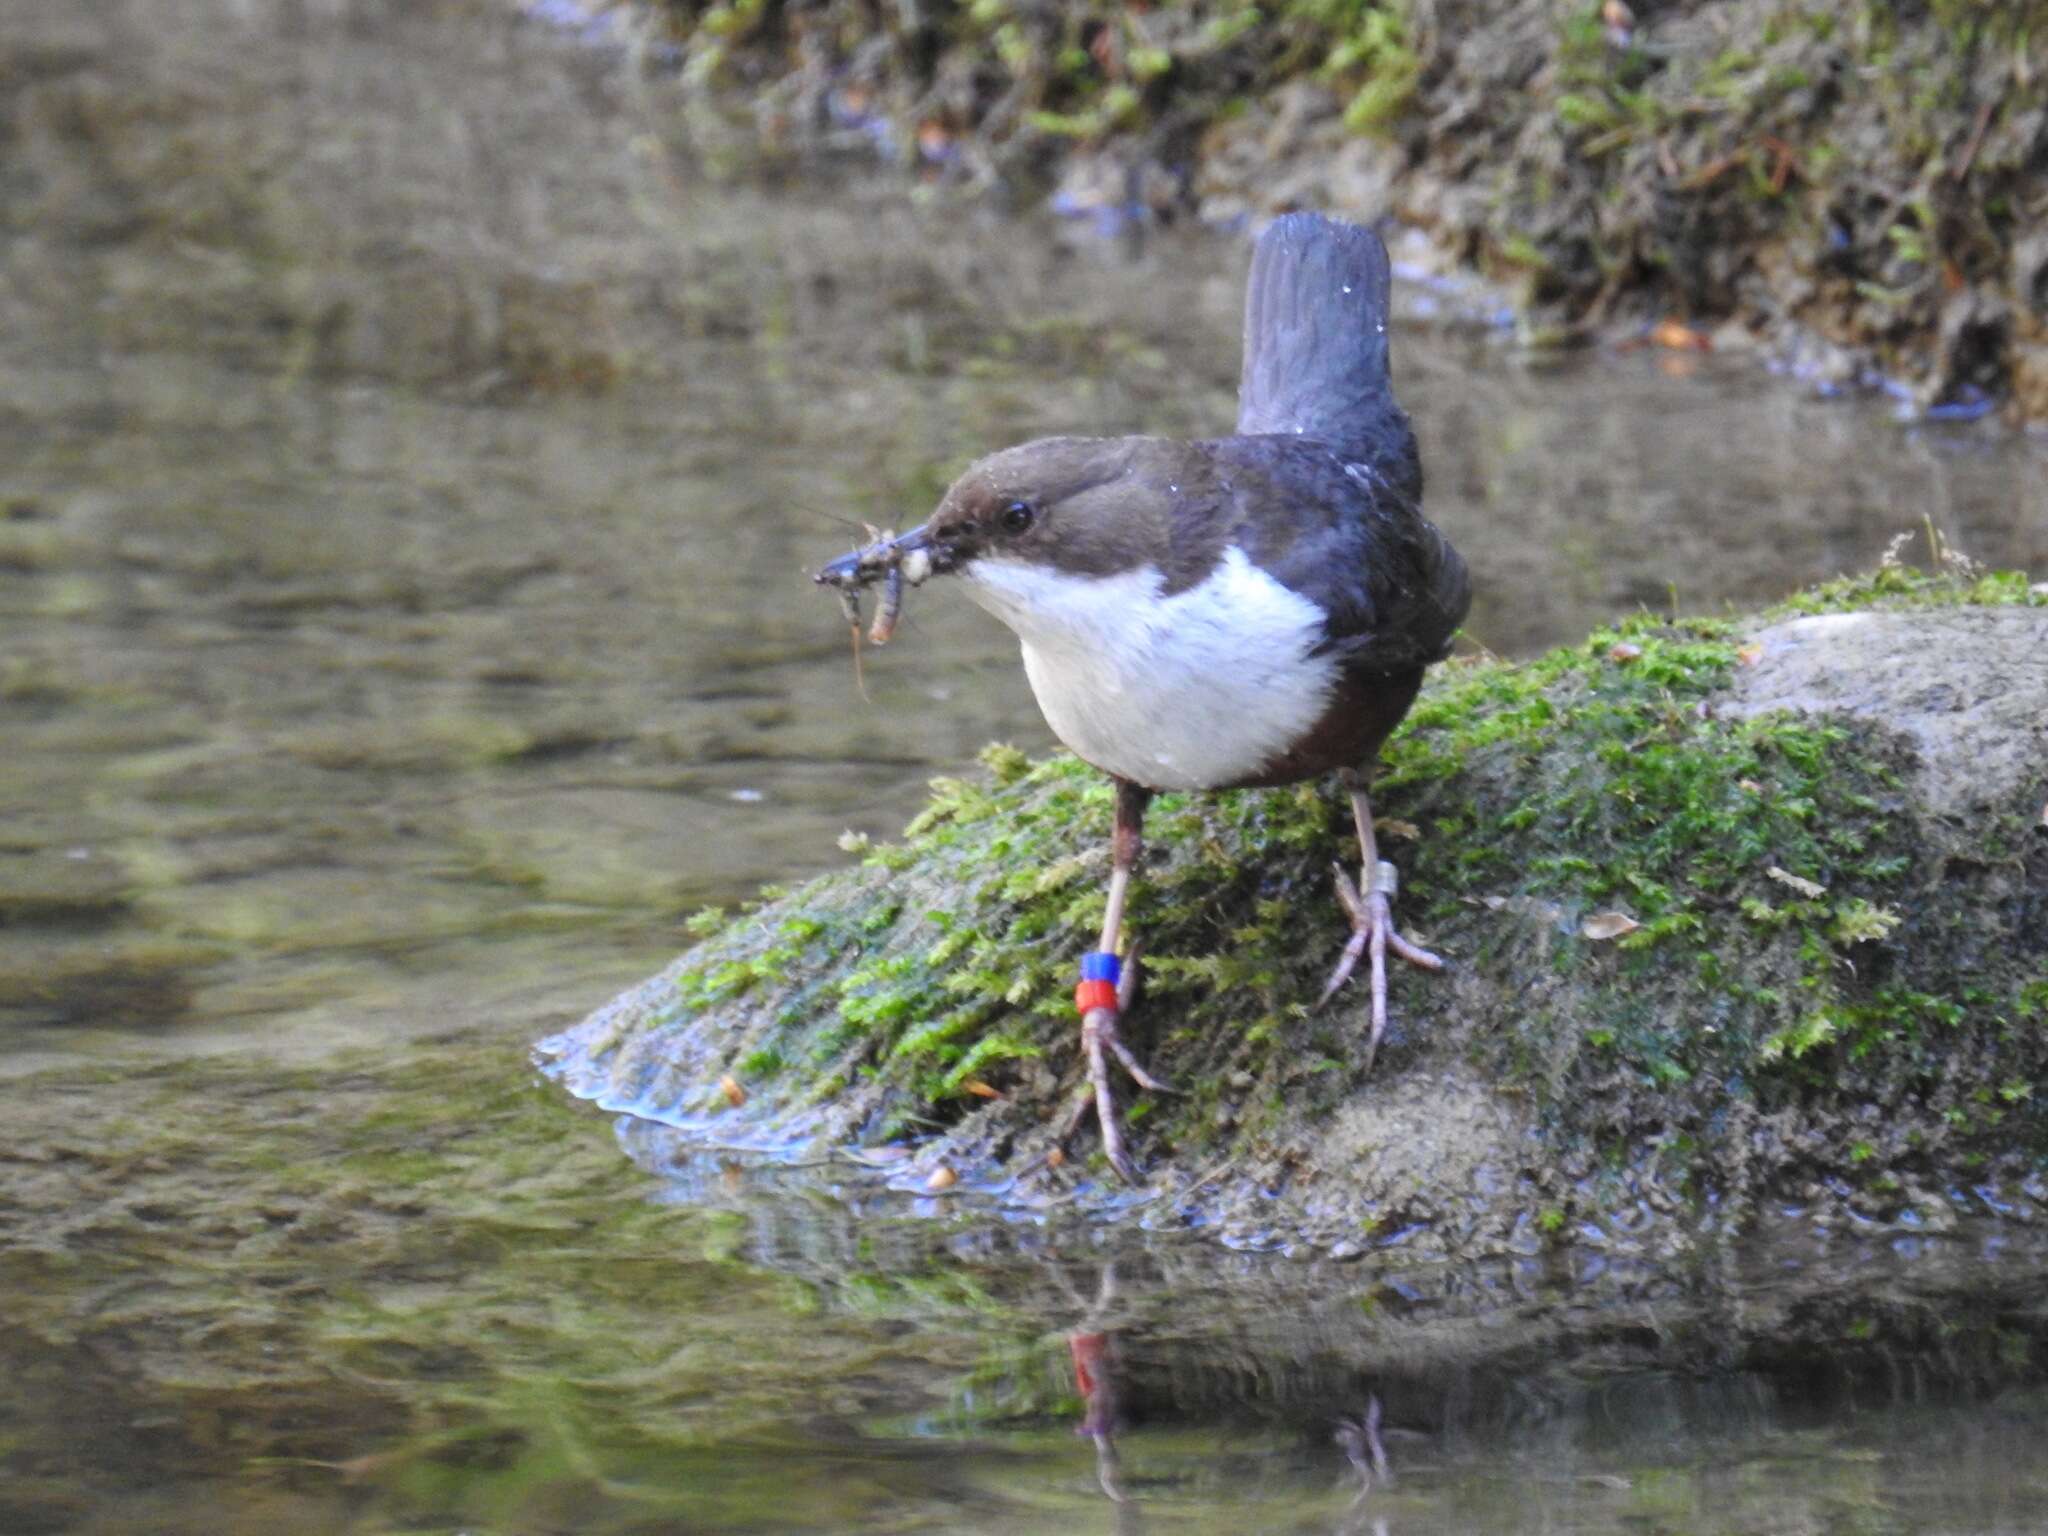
(1315,335)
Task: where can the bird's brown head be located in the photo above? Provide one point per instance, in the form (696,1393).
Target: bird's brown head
(1087,506)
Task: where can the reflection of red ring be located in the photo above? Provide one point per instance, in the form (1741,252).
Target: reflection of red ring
(1095,994)
(1087,1350)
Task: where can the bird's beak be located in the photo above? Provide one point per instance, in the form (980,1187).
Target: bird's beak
(911,552)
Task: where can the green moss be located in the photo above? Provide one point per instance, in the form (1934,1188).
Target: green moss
(1373,45)
(1594,779)
(1894,585)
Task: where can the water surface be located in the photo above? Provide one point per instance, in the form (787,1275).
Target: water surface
(412,443)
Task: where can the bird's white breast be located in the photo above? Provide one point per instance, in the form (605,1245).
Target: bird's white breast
(1183,692)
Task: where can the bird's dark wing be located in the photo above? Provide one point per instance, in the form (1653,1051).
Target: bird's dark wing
(1315,335)
(1348,534)
(1326,453)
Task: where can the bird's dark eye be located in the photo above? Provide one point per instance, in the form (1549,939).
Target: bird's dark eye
(1016,517)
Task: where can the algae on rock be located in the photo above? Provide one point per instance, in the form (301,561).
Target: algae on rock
(1835,971)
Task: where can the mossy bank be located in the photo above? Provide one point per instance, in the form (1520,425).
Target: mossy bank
(1856,185)
(1733,908)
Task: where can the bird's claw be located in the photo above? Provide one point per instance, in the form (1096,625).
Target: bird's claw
(1372,933)
(1103,1022)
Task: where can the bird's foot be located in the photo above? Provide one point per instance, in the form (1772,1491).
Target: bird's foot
(1106,992)
(1372,933)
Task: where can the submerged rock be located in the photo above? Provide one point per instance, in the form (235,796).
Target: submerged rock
(1734,909)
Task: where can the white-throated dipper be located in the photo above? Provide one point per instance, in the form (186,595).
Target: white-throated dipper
(1243,611)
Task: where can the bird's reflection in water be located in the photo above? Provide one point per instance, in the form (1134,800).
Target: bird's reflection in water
(1092,1346)
(1360,1441)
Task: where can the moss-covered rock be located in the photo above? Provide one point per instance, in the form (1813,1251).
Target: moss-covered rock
(1858,182)
(1732,906)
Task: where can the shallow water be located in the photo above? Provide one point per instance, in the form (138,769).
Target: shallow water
(410,454)
(420,1294)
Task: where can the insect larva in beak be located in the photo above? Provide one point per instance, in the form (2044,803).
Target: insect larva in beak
(891,606)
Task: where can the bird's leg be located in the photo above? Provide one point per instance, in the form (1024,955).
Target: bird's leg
(1370,907)
(1107,985)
